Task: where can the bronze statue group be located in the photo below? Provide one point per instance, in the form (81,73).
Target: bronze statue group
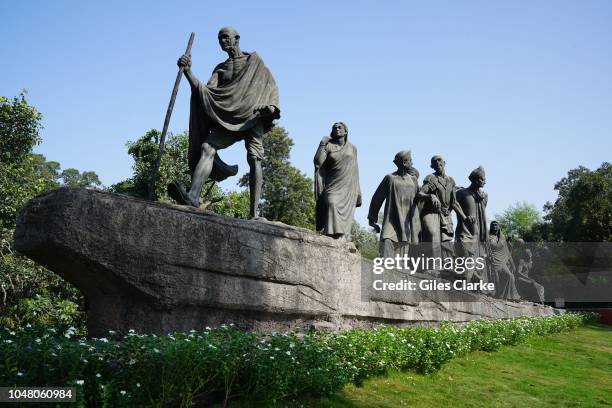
(240,102)
(419,217)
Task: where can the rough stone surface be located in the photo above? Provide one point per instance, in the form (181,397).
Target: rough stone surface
(157,268)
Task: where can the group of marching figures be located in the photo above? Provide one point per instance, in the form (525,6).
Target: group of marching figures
(416,214)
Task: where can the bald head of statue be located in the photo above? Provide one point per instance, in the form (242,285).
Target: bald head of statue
(229,40)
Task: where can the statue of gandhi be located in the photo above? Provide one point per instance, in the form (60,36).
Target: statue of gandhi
(239,102)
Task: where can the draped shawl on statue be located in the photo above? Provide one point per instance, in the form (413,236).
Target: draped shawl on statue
(231,106)
(337,191)
(498,249)
(401,221)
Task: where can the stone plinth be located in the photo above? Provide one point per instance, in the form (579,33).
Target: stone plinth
(157,268)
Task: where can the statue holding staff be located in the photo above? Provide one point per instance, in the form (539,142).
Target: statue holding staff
(239,102)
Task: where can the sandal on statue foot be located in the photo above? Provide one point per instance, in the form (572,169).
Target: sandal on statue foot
(178,194)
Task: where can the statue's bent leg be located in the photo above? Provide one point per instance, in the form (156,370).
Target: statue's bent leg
(201,173)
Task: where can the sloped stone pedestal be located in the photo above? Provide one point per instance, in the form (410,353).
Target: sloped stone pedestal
(158,268)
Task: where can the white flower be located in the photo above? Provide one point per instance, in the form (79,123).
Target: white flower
(28,325)
(19,374)
(80,382)
(103,340)
(98,375)
(8,341)
(207,328)
(12,333)
(111,332)
(155,350)
(288,353)
(276,349)
(138,385)
(122,392)
(271,357)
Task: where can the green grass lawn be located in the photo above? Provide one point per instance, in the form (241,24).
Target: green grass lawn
(572,369)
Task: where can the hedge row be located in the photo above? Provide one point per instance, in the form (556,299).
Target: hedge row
(224,363)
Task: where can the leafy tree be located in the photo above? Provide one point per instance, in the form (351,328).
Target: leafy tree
(582,210)
(287,193)
(173,165)
(29,292)
(73,178)
(233,204)
(19,178)
(32,294)
(21,181)
(365,240)
(519,220)
(19,129)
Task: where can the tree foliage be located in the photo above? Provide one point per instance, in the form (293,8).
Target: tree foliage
(519,220)
(287,193)
(29,292)
(73,178)
(365,240)
(173,166)
(232,204)
(32,294)
(19,129)
(582,210)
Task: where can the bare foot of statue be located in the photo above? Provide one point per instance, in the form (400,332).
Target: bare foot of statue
(180,195)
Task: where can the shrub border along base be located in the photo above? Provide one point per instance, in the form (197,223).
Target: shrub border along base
(224,363)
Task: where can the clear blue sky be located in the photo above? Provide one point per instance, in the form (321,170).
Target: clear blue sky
(523,88)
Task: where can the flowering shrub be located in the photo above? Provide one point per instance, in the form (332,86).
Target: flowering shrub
(224,363)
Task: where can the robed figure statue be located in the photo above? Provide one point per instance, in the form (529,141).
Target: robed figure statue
(337,190)
(401,222)
(239,103)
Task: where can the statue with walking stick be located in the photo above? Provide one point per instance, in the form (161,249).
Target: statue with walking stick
(239,102)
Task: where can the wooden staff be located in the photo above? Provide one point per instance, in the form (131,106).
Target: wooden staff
(162,140)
